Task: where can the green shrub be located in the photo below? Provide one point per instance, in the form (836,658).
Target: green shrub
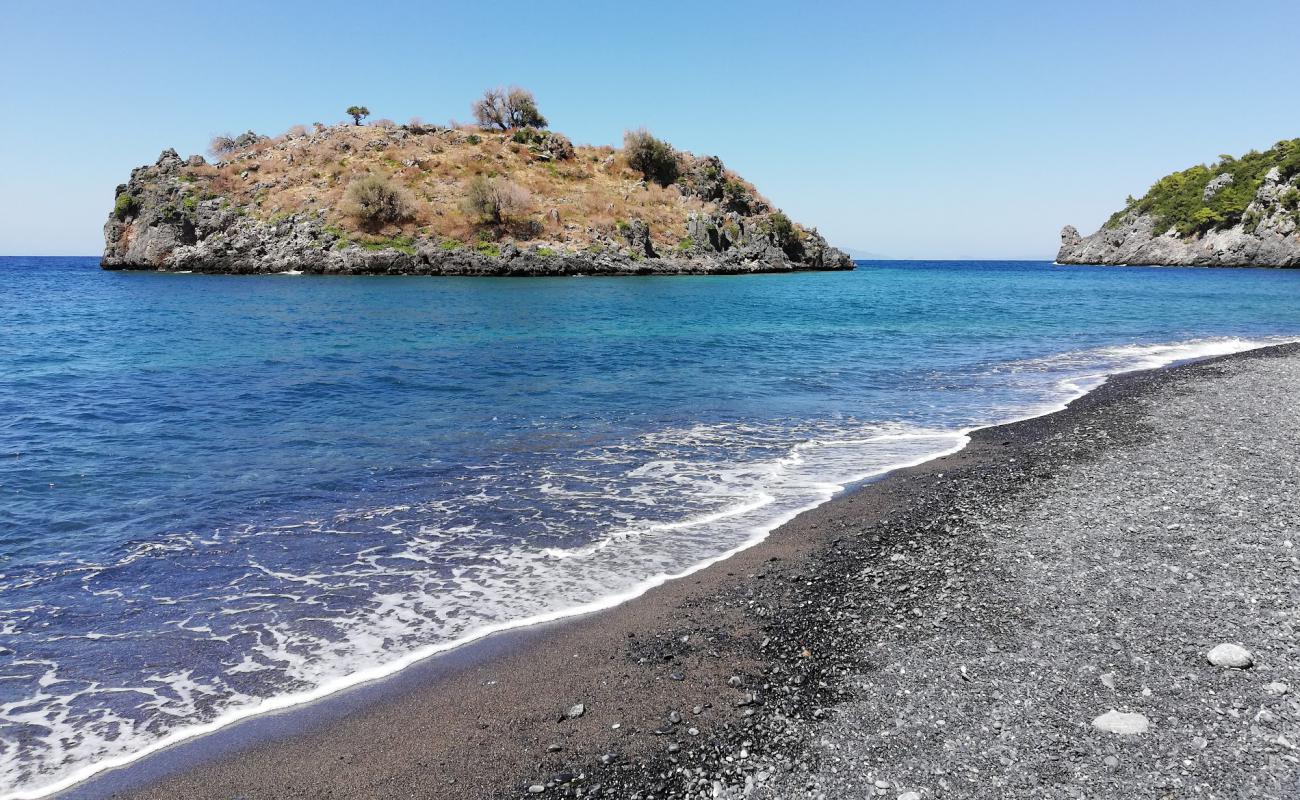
(402,244)
(653,158)
(190,203)
(487,249)
(450,244)
(474,138)
(125,206)
(526,136)
(374,200)
(782,230)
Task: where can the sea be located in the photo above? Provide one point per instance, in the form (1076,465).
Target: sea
(224,495)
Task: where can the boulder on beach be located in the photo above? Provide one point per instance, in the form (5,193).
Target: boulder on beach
(1230,656)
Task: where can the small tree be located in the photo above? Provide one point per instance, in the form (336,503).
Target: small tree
(376,201)
(508,108)
(225,145)
(358,113)
(653,158)
(220,146)
(495,200)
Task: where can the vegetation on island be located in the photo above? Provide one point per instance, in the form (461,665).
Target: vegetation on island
(506,176)
(507,109)
(1216,196)
(357,113)
(652,157)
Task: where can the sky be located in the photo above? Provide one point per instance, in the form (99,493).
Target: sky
(944,130)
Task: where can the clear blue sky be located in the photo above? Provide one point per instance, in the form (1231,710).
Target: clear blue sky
(912,129)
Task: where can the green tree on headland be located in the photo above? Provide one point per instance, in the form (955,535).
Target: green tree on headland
(357,113)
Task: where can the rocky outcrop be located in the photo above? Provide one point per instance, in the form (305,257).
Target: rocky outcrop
(160,222)
(1267,236)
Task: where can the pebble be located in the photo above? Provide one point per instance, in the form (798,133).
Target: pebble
(678,676)
(555,748)
(1278,688)
(674,718)
(1125,724)
(734,681)
(536,788)
(1232,656)
(1111,761)
(910,796)
(575,711)
(1200,742)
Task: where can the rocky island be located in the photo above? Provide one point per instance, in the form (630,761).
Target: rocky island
(504,197)
(1238,212)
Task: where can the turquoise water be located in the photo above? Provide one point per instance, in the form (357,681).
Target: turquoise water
(222,494)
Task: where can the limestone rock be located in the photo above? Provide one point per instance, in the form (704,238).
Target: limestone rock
(1216,183)
(1230,656)
(637,234)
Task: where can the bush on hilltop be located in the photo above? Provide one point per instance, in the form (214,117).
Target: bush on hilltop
(653,158)
(505,109)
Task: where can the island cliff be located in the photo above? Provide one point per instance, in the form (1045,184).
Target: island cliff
(418,199)
(1238,212)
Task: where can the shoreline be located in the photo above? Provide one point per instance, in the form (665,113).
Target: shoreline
(518,650)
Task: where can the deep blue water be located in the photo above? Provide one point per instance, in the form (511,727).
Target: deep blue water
(219,491)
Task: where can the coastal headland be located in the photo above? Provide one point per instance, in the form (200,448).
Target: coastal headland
(1237,212)
(1014,620)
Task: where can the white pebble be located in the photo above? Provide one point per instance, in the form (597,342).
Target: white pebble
(1123,723)
(1229,655)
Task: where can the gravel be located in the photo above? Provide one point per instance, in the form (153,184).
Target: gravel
(1032,617)
(1127,562)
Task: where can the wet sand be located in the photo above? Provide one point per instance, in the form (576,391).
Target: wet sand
(723,680)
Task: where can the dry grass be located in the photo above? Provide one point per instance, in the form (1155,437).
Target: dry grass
(589,194)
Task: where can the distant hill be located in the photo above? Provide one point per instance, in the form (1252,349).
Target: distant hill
(864,255)
(1236,212)
(387,198)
